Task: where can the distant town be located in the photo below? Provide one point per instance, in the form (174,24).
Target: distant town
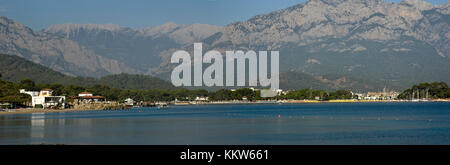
(27,95)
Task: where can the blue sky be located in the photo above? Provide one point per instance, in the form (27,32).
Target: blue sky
(39,14)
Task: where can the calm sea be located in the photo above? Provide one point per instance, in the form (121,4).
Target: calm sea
(327,123)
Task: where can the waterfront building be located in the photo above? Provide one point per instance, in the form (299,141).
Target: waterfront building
(82,94)
(381,95)
(129,102)
(45,99)
(270,92)
(86,97)
(384,95)
(201,98)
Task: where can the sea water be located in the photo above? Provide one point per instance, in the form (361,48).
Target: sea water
(315,123)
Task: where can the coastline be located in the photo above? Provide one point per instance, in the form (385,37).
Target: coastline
(38,110)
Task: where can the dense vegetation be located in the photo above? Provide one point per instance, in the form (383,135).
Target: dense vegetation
(19,73)
(9,92)
(298,80)
(310,94)
(433,90)
(119,87)
(15,68)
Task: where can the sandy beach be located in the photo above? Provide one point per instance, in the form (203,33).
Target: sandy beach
(37,110)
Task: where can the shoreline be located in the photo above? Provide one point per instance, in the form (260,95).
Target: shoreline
(38,110)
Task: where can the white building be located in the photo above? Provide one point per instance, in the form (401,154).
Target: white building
(377,95)
(82,94)
(271,92)
(201,98)
(45,98)
(129,102)
(31,93)
(86,97)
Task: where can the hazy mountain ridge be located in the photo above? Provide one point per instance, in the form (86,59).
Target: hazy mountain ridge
(399,43)
(316,20)
(138,48)
(55,52)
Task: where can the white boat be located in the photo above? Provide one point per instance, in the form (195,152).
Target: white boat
(161,106)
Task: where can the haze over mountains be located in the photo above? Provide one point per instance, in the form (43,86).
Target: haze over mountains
(136,48)
(56,52)
(343,42)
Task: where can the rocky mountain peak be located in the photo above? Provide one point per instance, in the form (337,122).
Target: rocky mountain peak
(446,5)
(339,2)
(444,8)
(4,20)
(160,29)
(11,25)
(195,32)
(419,4)
(68,27)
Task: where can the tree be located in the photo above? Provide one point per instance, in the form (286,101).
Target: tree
(27,84)
(430,90)
(223,94)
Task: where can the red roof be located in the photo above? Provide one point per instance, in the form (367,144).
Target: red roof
(91,97)
(46,89)
(85,93)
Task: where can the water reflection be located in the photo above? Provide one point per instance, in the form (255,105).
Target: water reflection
(37,126)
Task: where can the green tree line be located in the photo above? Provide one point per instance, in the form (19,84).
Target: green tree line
(9,92)
(434,90)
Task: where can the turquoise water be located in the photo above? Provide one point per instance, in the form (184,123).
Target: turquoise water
(327,123)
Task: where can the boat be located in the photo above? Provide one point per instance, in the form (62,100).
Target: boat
(182,103)
(163,106)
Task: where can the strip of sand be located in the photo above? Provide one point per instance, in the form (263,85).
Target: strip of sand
(38,110)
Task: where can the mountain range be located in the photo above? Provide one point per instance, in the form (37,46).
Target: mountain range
(398,43)
(347,42)
(138,49)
